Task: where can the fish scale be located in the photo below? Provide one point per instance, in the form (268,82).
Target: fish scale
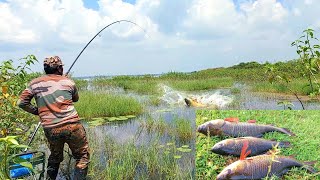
(237,129)
(257,146)
(257,167)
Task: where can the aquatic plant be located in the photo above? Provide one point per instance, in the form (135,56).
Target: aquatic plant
(101,104)
(182,129)
(129,161)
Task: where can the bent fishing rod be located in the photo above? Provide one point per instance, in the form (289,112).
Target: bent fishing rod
(37,127)
(97,35)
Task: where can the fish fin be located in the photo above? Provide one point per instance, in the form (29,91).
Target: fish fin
(293,156)
(252,121)
(309,163)
(289,132)
(232,119)
(284,144)
(244,152)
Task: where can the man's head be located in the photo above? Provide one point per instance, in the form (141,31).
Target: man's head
(53,65)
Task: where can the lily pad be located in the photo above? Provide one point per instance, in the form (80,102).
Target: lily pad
(131,116)
(184,150)
(122,118)
(97,122)
(112,118)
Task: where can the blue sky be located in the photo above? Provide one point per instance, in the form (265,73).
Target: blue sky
(93,4)
(183,35)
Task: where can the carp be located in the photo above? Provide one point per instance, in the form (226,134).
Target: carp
(258,167)
(257,146)
(193,103)
(222,127)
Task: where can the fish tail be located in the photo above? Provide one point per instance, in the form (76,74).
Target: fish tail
(284,144)
(286,131)
(309,166)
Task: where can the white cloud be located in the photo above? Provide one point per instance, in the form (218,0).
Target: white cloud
(184,35)
(11,29)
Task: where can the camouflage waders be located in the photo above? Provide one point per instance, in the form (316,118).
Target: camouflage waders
(75,136)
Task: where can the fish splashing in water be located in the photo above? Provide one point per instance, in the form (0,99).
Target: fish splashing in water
(174,97)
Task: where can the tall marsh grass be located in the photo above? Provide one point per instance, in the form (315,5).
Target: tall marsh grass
(100,104)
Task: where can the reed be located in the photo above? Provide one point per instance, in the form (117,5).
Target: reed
(101,104)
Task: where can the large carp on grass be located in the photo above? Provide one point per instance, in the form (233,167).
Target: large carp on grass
(256,146)
(257,167)
(222,127)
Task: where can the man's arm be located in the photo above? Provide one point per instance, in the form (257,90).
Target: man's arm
(75,95)
(25,102)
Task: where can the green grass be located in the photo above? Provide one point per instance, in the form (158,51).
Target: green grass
(298,85)
(201,84)
(100,104)
(305,145)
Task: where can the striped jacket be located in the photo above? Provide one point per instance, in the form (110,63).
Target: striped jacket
(54,95)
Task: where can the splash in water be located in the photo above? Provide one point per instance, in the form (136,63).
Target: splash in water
(208,99)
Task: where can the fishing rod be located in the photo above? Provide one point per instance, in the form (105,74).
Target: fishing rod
(34,133)
(97,35)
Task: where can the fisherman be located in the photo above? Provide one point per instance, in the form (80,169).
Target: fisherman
(54,94)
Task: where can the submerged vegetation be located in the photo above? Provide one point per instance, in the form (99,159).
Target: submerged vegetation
(303,123)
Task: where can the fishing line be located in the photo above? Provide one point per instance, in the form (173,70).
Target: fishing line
(97,35)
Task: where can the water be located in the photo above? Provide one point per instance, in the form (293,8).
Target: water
(173,106)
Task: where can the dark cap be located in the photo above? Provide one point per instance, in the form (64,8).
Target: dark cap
(53,61)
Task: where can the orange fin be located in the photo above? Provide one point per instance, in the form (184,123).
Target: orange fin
(244,152)
(232,119)
(252,121)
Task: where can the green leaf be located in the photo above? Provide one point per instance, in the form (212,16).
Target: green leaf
(13,141)
(170,144)
(185,146)
(184,149)
(177,157)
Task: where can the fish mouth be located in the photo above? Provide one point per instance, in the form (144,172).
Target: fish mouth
(200,129)
(218,149)
(188,101)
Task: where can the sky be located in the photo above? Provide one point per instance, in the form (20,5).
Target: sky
(180,35)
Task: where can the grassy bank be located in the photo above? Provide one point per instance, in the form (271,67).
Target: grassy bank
(254,74)
(299,86)
(150,85)
(305,145)
(100,104)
